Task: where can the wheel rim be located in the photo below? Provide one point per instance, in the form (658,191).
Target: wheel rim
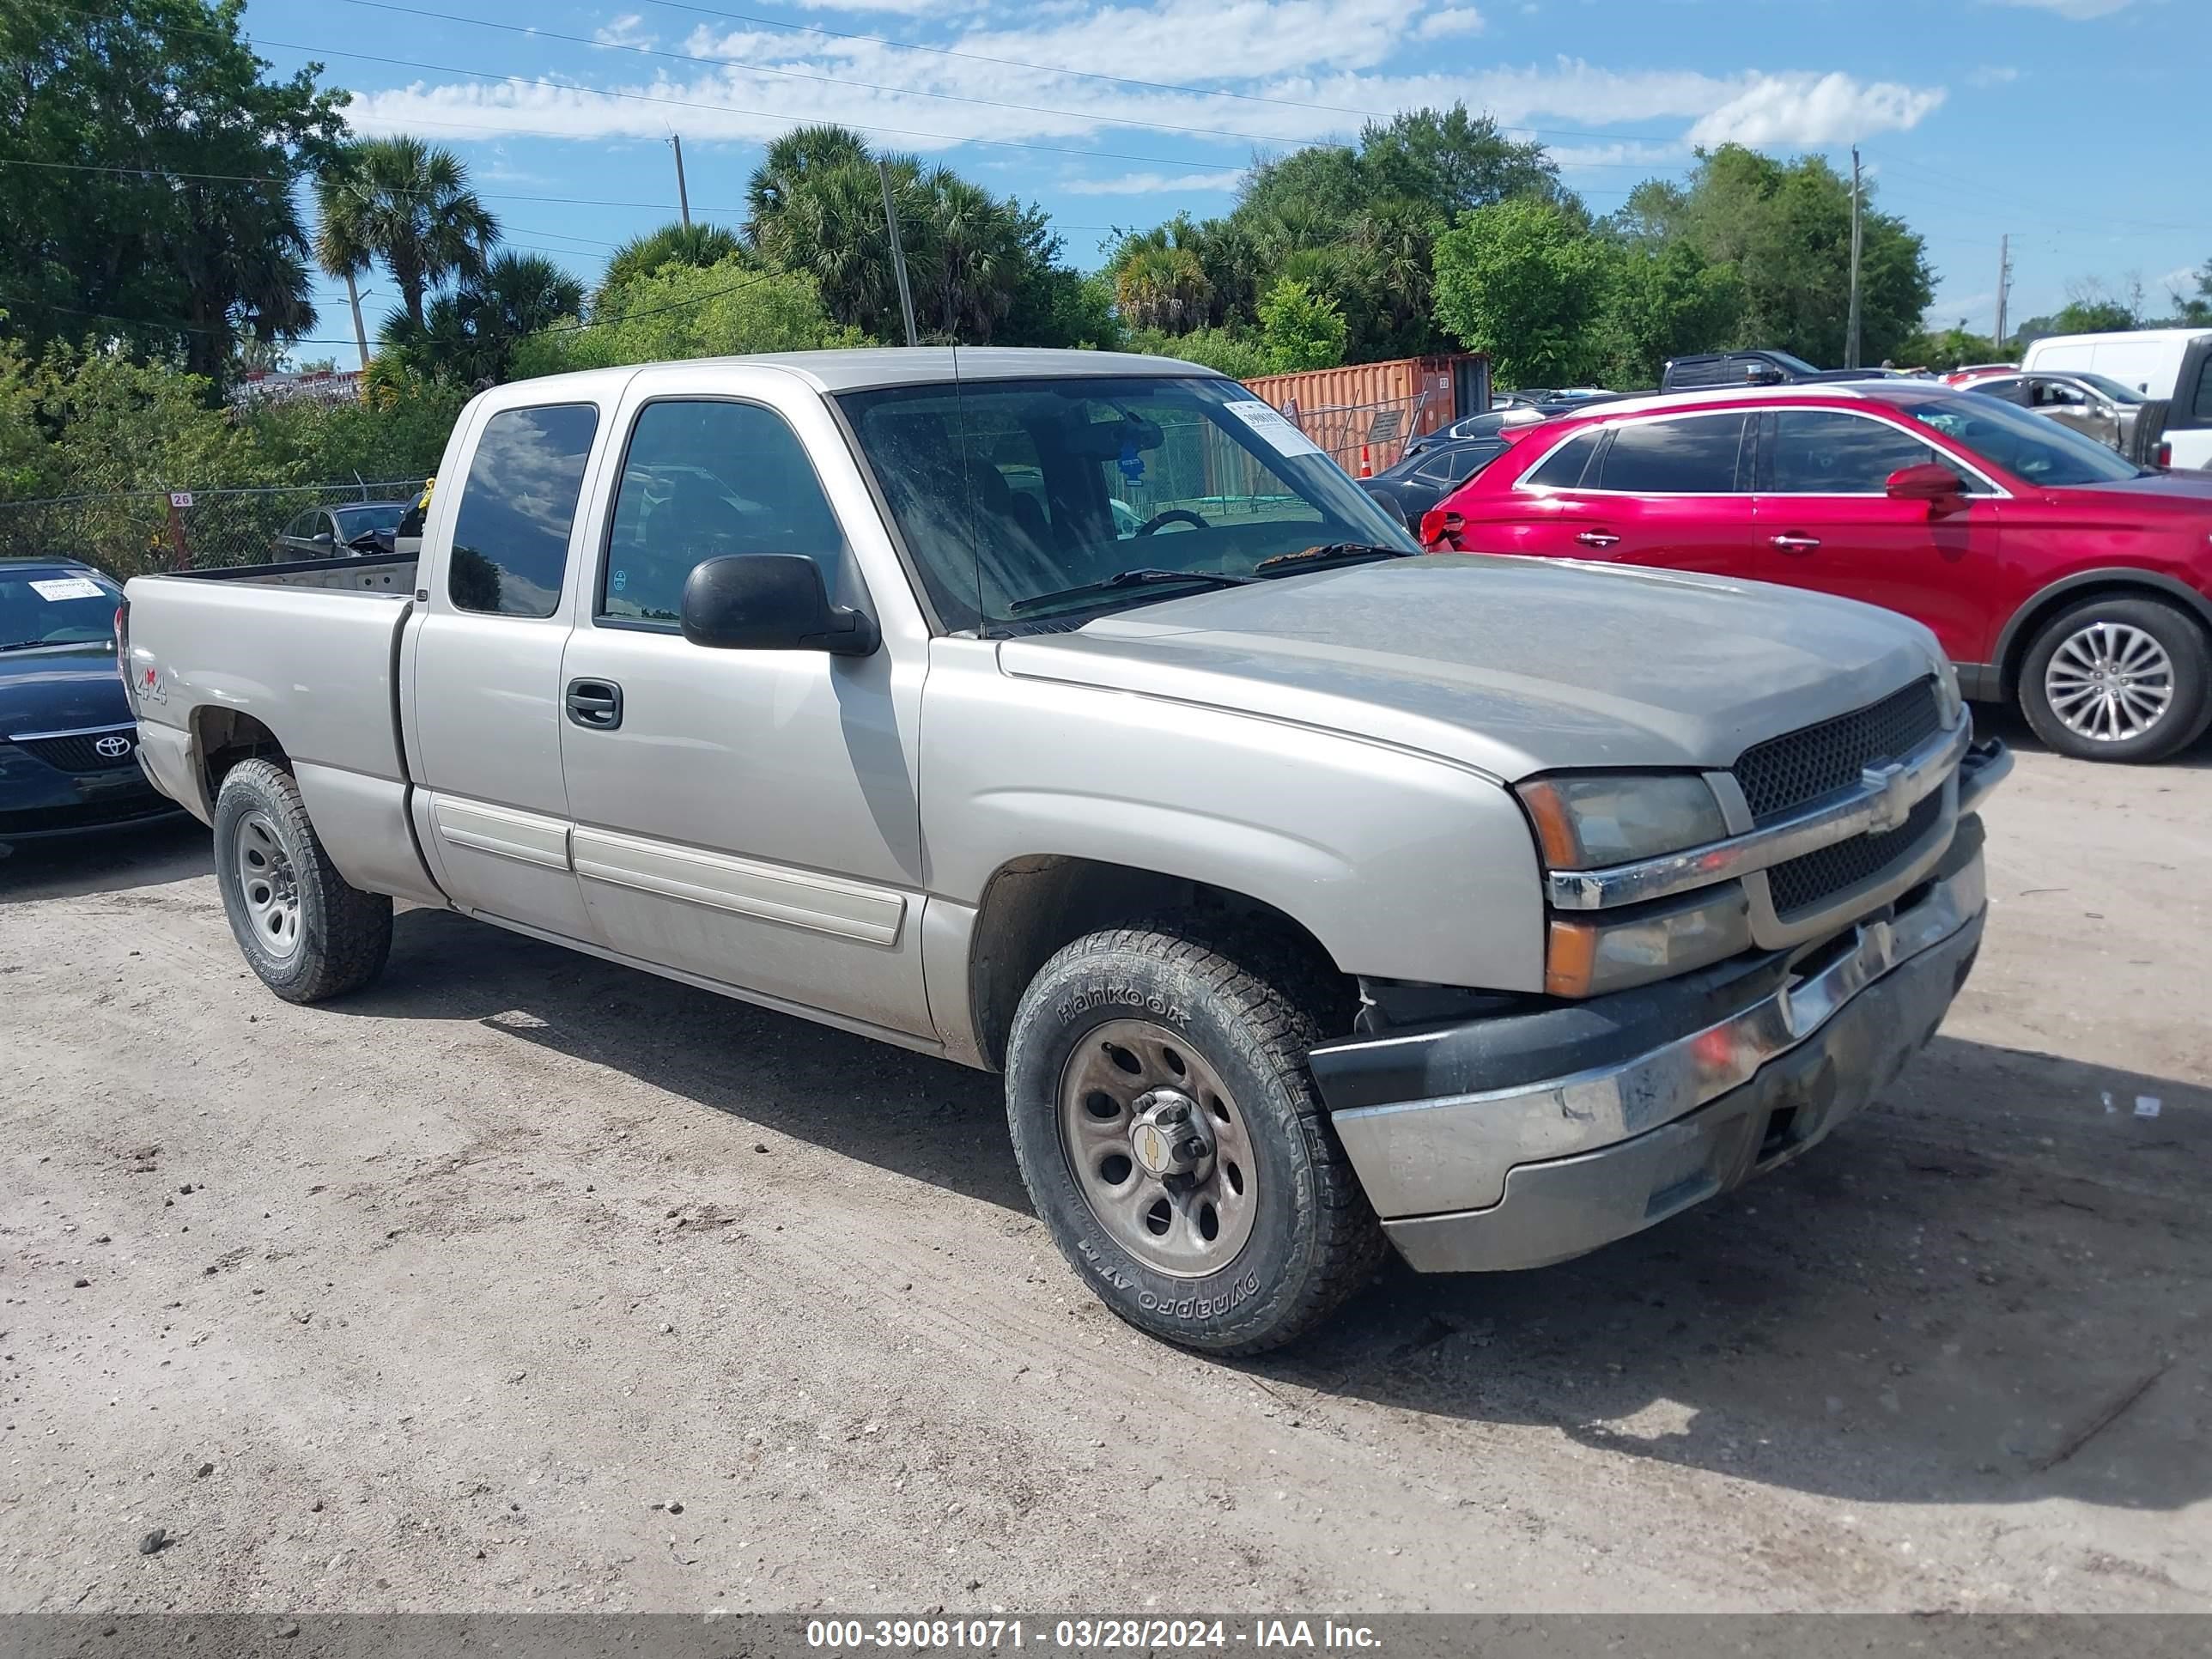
(1159,1149)
(2109,682)
(268,885)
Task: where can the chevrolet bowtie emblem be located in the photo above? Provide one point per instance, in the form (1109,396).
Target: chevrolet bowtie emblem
(1889,806)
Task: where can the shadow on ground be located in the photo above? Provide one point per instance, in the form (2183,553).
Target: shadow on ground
(111,861)
(1987,1288)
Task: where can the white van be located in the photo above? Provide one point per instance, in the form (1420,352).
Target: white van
(2173,363)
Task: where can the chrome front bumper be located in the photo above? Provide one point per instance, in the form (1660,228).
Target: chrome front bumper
(1732,1071)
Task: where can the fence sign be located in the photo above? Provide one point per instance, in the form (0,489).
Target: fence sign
(180,498)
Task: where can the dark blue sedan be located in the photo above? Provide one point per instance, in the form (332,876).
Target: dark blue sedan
(69,746)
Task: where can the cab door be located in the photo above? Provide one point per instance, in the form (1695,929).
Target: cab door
(1825,521)
(748,816)
(483,710)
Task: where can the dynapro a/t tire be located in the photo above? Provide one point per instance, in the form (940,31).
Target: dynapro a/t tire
(304,932)
(1132,1049)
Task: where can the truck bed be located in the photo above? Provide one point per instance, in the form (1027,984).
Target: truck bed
(309,651)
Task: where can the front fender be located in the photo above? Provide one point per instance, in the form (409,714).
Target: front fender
(1403,865)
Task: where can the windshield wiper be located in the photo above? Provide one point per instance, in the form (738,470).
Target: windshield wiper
(1143,576)
(1331,553)
(25,645)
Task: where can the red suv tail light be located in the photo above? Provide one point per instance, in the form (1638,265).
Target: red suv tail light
(2164,456)
(1439,528)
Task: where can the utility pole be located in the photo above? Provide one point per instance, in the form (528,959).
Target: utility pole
(898,254)
(682,198)
(2004,285)
(359,334)
(1852,326)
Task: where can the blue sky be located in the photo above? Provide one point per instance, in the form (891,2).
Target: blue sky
(2074,125)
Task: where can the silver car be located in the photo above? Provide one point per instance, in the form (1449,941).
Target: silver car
(2095,405)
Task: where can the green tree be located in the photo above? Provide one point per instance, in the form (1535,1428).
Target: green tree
(1522,280)
(469,335)
(697,246)
(1664,300)
(1451,162)
(679,312)
(146,174)
(409,204)
(1237,353)
(1947,348)
(1785,227)
(2195,310)
(1300,329)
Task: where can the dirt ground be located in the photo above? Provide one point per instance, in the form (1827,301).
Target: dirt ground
(524,1281)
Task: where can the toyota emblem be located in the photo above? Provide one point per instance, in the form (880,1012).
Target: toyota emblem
(113,748)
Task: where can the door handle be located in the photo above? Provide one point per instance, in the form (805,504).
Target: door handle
(1794,544)
(1597,539)
(596,704)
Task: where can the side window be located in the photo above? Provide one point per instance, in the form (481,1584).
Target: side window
(1819,452)
(1564,467)
(2056,394)
(1705,372)
(2201,403)
(302,527)
(1695,456)
(518,504)
(2012,391)
(703,480)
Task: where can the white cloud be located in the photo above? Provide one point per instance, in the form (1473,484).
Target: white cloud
(1452,19)
(2081,11)
(1312,70)
(628,30)
(1154,183)
(1626,153)
(1807,109)
(1993,74)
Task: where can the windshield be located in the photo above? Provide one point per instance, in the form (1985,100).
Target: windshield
(1795,364)
(359,520)
(2027,446)
(2118,392)
(1005,491)
(47,605)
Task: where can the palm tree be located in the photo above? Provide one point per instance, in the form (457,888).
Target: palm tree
(698,246)
(469,335)
(408,203)
(791,158)
(339,249)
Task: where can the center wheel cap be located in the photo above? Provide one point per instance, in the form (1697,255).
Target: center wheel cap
(1167,1133)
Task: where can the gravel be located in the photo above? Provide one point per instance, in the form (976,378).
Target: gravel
(1956,1357)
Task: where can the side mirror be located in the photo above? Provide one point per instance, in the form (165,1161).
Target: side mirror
(771,602)
(1931,482)
(322,538)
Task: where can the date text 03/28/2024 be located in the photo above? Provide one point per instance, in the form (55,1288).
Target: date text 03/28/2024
(1088,1635)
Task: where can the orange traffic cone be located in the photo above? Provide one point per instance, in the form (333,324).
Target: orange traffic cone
(1367,468)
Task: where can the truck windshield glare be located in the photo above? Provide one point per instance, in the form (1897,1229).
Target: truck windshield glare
(1008,491)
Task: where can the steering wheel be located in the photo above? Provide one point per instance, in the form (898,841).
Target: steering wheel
(1172,515)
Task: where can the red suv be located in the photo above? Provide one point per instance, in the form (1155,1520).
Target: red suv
(2052,570)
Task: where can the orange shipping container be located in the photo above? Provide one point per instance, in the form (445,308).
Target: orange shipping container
(1379,407)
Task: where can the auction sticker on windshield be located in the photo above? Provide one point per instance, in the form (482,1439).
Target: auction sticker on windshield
(1262,418)
(57,588)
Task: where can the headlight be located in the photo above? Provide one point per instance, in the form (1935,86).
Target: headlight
(1588,823)
(1589,958)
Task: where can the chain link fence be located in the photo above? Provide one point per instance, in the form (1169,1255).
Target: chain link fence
(134,533)
(1382,430)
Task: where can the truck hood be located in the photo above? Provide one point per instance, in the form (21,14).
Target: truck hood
(1509,666)
(60,688)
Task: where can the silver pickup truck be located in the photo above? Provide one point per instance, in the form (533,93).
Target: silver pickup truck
(1071,716)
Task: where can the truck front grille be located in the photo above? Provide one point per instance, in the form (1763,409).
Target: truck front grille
(80,752)
(1784,773)
(1806,883)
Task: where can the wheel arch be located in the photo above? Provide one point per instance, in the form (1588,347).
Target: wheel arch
(221,737)
(1034,905)
(2119,582)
